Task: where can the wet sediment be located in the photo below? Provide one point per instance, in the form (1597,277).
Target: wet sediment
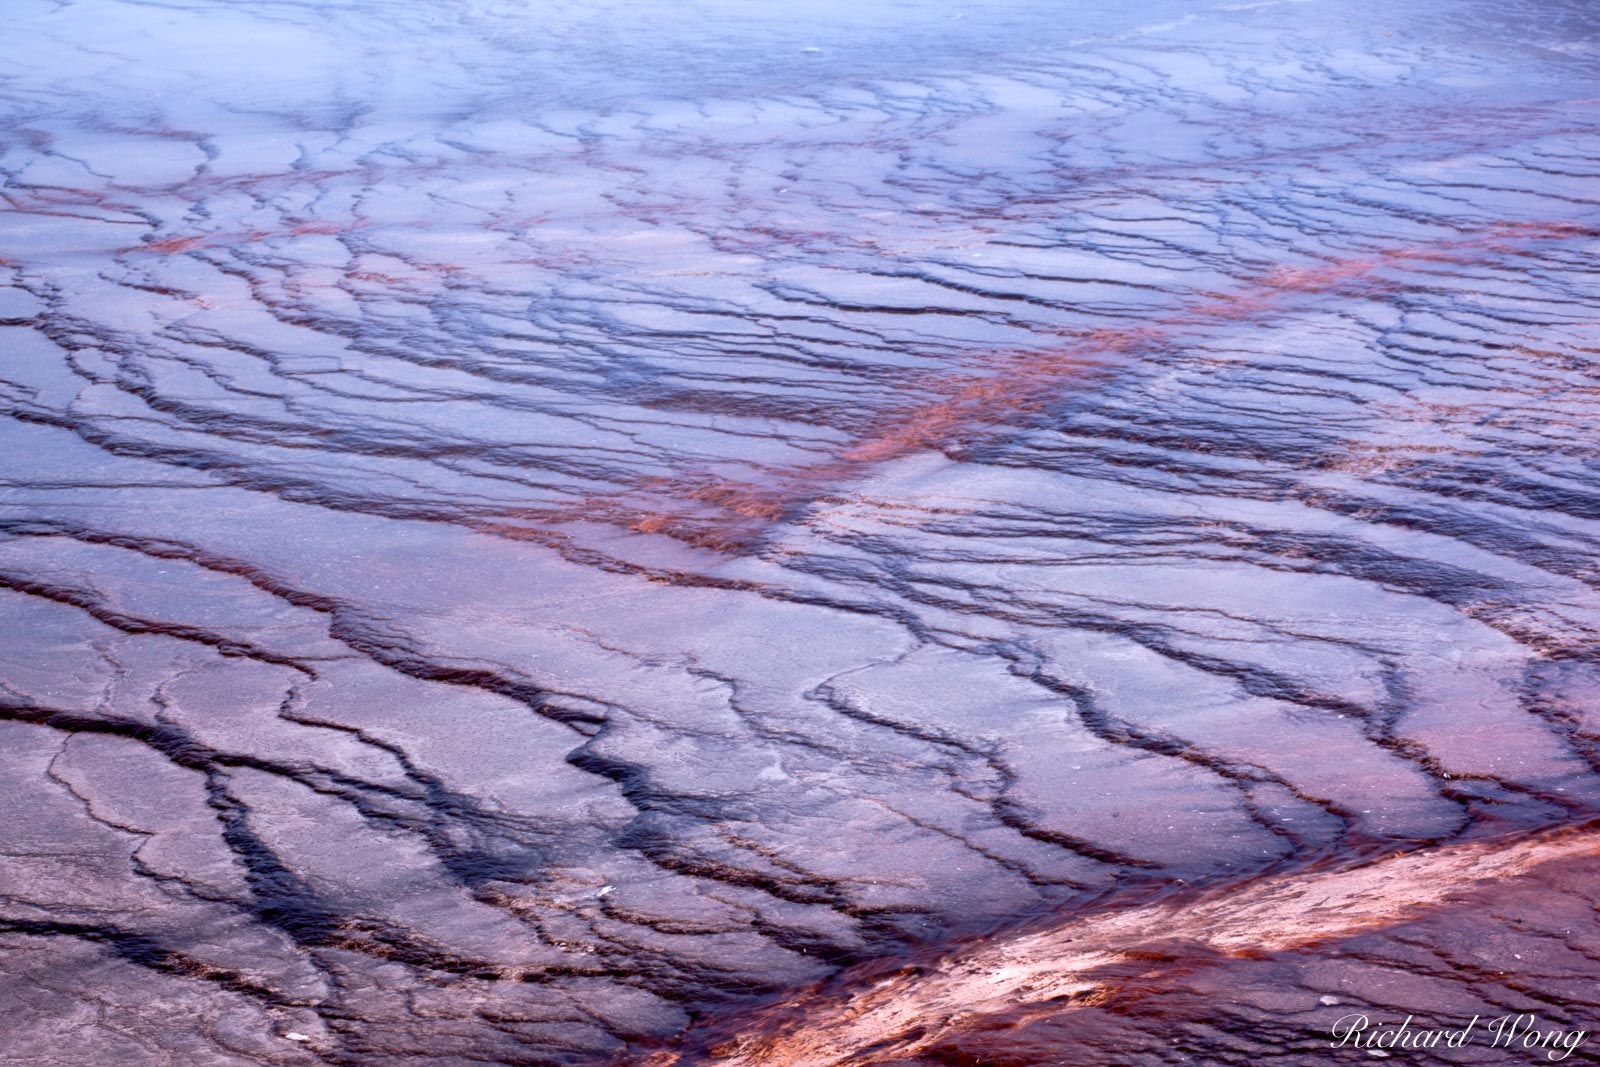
(593,535)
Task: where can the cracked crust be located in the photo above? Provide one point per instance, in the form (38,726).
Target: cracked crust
(524,534)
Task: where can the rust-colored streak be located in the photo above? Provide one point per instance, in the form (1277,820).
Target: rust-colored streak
(873,1015)
(177,245)
(944,411)
(1018,385)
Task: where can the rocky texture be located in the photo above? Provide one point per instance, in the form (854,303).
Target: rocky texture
(1476,954)
(526,526)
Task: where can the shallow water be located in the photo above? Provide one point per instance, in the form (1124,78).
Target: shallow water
(529,528)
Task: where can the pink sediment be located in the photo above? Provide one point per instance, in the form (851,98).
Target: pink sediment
(1045,975)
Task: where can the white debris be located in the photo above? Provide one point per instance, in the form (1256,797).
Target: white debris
(1327,998)
(295,1035)
(605,889)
